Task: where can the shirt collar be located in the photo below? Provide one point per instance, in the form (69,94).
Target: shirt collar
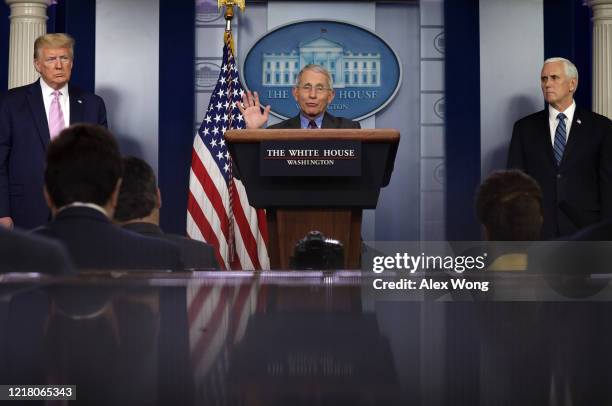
(83,204)
(304,121)
(569,112)
(47,90)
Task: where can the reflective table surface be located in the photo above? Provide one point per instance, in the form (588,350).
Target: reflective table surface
(309,338)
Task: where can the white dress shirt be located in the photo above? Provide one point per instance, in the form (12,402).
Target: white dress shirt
(64,99)
(553,122)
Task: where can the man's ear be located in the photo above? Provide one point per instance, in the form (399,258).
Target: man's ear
(36,65)
(294,92)
(159,199)
(485,232)
(115,195)
(573,85)
(48,199)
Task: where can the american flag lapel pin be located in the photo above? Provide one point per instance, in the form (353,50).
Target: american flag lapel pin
(79,101)
(578,121)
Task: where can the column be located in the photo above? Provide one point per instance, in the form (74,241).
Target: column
(28,21)
(602,56)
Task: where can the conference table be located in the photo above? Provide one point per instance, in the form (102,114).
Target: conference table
(308,338)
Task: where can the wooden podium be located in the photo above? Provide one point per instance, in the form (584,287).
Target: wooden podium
(296,205)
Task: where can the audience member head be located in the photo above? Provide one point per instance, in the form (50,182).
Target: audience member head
(83,165)
(509,206)
(139,197)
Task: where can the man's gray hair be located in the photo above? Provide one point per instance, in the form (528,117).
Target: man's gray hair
(315,68)
(570,69)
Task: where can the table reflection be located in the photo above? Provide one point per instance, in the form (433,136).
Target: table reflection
(307,338)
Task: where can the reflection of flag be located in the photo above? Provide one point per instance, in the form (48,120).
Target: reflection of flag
(218,314)
(218,211)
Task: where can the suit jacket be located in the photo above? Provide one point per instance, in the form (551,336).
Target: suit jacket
(194,254)
(24,137)
(97,244)
(329,121)
(578,191)
(20,252)
(597,232)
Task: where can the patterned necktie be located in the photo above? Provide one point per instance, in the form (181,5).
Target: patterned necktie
(56,117)
(312,125)
(560,137)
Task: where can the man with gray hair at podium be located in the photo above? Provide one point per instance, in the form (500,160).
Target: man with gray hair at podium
(313,92)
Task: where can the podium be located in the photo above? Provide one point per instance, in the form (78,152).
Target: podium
(297,204)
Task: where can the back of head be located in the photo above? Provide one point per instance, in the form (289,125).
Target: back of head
(83,165)
(509,205)
(138,193)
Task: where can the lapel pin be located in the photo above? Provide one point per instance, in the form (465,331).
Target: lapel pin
(578,121)
(79,101)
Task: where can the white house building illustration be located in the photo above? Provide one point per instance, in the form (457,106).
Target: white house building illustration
(348,69)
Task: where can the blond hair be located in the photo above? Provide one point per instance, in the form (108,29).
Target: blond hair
(58,40)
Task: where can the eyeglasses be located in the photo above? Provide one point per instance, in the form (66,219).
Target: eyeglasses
(318,88)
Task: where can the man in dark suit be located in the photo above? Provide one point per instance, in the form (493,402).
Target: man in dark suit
(82,181)
(138,210)
(313,92)
(32,115)
(20,252)
(568,151)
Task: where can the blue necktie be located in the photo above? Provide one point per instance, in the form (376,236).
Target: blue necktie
(312,124)
(560,137)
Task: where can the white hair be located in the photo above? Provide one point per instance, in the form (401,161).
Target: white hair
(570,68)
(318,69)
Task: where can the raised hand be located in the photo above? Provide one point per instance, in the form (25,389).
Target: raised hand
(251,110)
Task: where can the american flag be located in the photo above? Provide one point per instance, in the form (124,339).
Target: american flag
(218,210)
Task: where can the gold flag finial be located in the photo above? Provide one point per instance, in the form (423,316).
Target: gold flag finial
(229,10)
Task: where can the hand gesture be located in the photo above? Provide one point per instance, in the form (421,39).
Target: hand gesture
(251,110)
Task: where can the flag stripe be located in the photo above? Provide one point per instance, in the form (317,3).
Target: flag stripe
(212,192)
(211,327)
(196,305)
(260,247)
(199,228)
(245,231)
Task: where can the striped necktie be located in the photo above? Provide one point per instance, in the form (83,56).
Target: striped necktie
(312,125)
(560,138)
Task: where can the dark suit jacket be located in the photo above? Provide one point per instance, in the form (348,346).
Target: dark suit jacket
(194,254)
(20,252)
(597,232)
(578,192)
(96,244)
(24,137)
(329,121)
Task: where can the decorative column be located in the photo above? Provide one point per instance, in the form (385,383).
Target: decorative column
(28,22)
(602,56)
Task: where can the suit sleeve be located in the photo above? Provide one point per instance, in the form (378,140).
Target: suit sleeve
(5,150)
(605,170)
(356,125)
(515,152)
